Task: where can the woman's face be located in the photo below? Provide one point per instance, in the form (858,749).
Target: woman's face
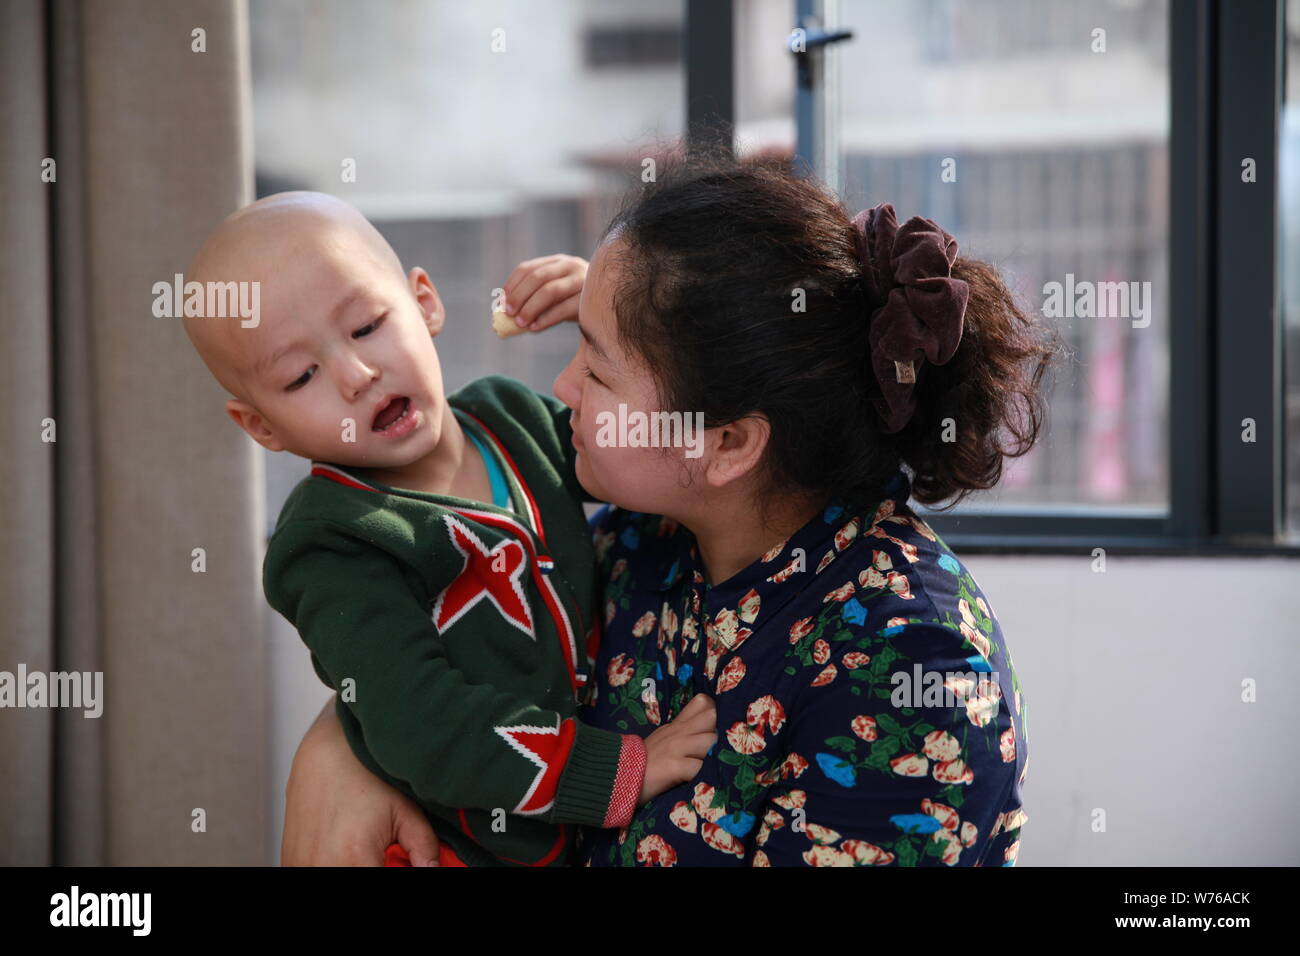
(600,378)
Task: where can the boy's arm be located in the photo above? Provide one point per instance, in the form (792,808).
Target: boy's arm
(544,292)
(455,743)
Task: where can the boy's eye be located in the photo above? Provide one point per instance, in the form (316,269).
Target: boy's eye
(301,380)
(367,329)
(591,375)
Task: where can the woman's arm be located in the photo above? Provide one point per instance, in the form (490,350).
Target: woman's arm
(337,813)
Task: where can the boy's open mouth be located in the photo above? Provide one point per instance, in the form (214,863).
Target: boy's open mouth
(392,413)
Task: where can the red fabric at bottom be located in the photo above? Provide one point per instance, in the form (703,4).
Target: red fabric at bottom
(396,856)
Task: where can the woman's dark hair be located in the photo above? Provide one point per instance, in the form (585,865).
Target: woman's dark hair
(716,251)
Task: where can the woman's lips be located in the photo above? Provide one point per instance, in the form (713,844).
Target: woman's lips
(401,426)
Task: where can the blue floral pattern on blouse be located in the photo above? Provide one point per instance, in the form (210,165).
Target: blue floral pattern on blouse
(868,710)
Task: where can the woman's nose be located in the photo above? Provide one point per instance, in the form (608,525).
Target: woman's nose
(566,385)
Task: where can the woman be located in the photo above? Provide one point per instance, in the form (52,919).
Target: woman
(868,710)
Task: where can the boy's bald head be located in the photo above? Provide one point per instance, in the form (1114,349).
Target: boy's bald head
(259,243)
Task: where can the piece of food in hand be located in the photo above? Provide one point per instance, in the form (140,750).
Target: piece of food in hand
(504,326)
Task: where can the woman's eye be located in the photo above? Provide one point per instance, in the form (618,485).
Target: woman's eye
(367,329)
(301,380)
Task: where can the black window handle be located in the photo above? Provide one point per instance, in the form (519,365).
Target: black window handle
(812,38)
(815,38)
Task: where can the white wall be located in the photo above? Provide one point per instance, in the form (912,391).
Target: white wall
(1133,683)
(1132,680)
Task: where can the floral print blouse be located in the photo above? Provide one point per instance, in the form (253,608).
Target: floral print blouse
(868,710)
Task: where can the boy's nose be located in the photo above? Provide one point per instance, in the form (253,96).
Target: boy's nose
(357,377)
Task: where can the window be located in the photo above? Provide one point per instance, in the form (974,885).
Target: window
(1079,156)
(1099,141)
(1043,146)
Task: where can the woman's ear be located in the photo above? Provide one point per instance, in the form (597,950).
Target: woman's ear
(429,301)
(736,449)
(250,420)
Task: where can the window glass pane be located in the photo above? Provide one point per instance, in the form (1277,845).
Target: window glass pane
(764,78)
(1058,138)
(482,133)
(1289,264)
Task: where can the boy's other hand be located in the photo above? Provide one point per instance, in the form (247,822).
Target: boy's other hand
(543,292)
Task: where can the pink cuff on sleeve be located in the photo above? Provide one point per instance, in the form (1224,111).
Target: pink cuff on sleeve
(627,783)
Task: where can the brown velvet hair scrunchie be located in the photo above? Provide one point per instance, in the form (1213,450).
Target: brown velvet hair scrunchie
(916,308)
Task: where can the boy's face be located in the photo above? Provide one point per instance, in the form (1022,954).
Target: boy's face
(342,367)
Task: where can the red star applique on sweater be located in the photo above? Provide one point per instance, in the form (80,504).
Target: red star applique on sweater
(493,574)
(548,748)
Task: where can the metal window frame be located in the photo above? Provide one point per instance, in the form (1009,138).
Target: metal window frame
(709,44)
(1248,497)
(1225,497)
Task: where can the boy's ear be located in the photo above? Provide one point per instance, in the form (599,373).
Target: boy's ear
(430,302)
(250,420)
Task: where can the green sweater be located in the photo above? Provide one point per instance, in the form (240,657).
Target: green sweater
(460,636)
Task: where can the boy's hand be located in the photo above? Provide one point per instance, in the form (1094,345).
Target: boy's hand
(542,292)
(675,752)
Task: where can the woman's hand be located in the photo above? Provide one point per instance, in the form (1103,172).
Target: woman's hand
(543,292)
(337,813)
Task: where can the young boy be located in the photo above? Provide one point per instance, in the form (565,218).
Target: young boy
(437,561)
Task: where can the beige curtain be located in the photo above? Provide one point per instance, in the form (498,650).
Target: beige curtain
(152,146)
